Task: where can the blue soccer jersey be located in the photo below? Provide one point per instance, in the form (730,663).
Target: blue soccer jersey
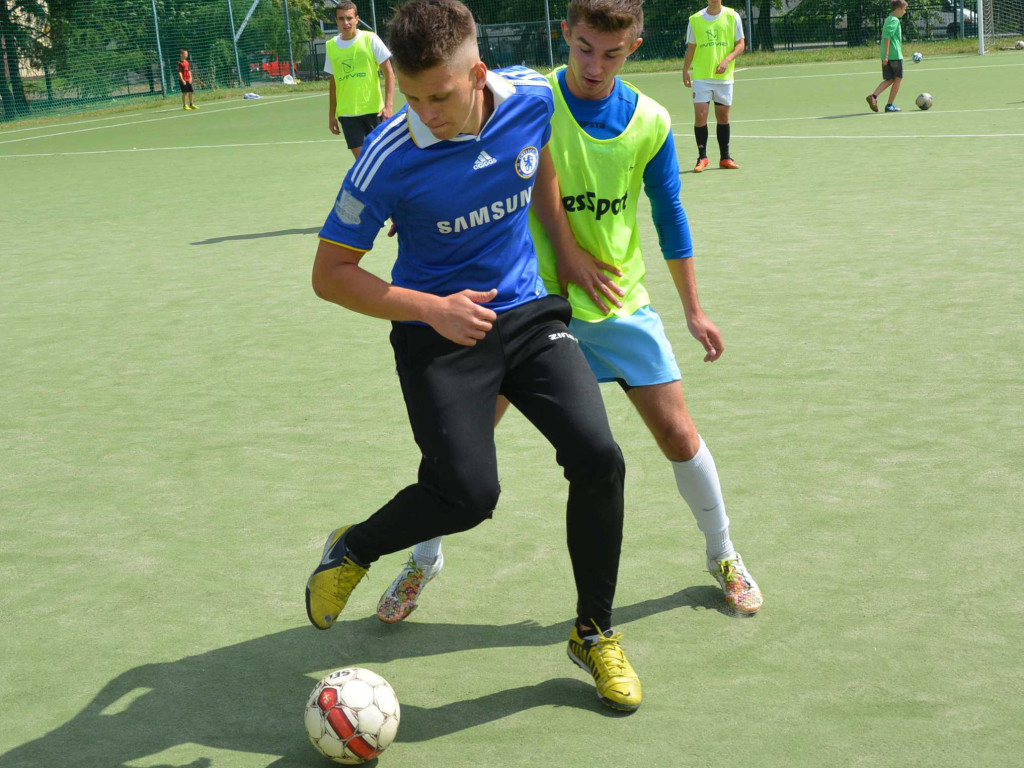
(460,206)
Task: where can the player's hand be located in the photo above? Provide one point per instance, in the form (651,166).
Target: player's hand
(707,333)
(393,229)
(687,80)
(884,62)
(333,125)
(579,267)
(461,318)
(386,113)
(722,67)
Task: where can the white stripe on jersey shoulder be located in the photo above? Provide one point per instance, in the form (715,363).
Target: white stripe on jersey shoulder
(370,171)
(525,75)
(383,145)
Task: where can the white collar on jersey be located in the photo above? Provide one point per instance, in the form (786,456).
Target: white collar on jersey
(499,87)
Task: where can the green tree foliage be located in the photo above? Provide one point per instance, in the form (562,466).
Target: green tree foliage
(22,25)
(96,49)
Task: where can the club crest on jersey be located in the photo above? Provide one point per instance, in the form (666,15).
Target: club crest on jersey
(527,161)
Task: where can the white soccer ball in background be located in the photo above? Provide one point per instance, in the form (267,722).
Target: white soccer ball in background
(918,58)
(352,715)
(924,101)
(1019,45)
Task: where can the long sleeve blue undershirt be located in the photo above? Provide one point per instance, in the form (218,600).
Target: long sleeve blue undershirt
(607,118)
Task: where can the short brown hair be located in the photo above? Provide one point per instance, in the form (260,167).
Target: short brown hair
(897,4)
(607,15)
(345,5)
(425,33)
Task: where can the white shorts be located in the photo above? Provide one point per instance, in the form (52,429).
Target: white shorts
(705,90)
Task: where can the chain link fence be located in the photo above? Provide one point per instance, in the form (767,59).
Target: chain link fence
(67,55)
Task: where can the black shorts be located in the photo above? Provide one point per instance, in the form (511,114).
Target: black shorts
(186,87)
(357,128)
(893,70)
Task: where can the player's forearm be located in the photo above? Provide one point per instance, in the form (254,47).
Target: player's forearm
(546,204)
(343,282)
(389,86)
(735,54)
(688,58)
(685,279)
(332,99)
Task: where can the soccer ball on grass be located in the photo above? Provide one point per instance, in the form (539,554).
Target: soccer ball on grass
(924,101)
(352,715)
(918,58)
(1019,45)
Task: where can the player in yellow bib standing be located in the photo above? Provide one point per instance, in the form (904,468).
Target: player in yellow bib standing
(353,58)
(609,141)
(714,39)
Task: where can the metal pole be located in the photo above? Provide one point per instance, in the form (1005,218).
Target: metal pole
(373,14)
(234,43)
(547,29)
(981,28)
(750,29)
(159,50)
(288,32)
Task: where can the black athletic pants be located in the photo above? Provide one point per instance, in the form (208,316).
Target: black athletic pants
(451,391)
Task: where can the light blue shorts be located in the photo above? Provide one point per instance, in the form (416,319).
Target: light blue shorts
(633,351)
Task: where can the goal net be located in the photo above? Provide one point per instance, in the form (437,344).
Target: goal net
(1002,24)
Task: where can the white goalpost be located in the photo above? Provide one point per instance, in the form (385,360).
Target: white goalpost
(1000,24)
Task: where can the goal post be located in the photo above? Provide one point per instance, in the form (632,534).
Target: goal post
(1000,24)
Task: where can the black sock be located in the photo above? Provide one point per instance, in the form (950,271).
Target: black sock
(723,139)
(701,132)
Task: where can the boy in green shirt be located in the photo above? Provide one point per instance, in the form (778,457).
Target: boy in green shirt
(892,58)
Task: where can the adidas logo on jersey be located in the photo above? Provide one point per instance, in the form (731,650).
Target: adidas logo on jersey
(482,161)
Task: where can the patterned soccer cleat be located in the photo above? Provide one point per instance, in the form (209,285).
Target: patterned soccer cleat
(332,581)
(728,163)
(872,101)
(702,163)
(617,683)
(741,591)
(400,598)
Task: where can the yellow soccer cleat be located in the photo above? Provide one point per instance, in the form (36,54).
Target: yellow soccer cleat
(332,581)
(741,591)
(617,683)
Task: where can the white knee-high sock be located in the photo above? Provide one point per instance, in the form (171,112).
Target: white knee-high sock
(697,480)
(427,552)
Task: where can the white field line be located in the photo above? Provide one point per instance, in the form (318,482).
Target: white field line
(121,115)
(894,136)
(192,115)
(745,80)
(871,137)
(168,149)
(865,114)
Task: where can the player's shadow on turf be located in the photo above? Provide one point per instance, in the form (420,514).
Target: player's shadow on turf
(249,697)
(257,235)
(844,117)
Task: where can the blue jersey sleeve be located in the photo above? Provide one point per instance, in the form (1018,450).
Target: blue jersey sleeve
(661,183)
(366,199)
(355,219)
